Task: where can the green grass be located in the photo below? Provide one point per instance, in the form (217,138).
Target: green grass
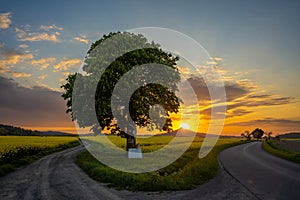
(186,172)
(273,148)
(16,151)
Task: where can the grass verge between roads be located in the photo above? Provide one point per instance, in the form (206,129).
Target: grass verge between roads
(273,148)
(186,172)
(16,151)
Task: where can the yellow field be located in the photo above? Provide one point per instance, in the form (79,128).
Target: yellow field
(16,147)
(49,141)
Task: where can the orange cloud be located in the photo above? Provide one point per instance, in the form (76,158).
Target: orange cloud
(66,64)
(82,39)
(211,63)
(245,102)
(217,59)
(183,70)
(11,57)
(43,62)
(25,35)
(42,77)
(14,59)
(5,20)
(19,74)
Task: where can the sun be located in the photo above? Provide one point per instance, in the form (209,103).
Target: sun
(185,126)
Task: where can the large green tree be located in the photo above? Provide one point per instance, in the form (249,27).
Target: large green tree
(135,50)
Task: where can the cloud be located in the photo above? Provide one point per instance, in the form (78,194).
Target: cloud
(244,106)
(66,74)
(43,63)
(262,100)
(242,99)
(35,106)
(62,80)
(82,39)
(19,74)
(217,59)
(50,27)
(2,70)
(267,121)
(66,64)
(5,20)
(200,88)
(238,112)
(42,77)
(23,46)
(11,57)
(211,63)
(49,33)
(33,37)
(235,91)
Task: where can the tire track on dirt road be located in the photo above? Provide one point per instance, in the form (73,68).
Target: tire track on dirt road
(55,176)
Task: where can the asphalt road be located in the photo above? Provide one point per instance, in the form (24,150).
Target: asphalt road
(264,175)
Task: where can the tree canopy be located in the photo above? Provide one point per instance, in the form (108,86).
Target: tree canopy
(257,133)
(135,51)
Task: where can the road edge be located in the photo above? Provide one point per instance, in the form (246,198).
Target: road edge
(230,174)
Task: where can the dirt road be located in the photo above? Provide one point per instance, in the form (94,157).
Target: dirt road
(56,176)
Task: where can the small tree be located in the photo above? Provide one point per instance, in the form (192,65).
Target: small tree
(246,135)
(268,135)
(257,133)
(141,101)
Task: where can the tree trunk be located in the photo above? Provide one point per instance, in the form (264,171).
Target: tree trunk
(130,142)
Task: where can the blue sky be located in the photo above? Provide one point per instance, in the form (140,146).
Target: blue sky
(256,40)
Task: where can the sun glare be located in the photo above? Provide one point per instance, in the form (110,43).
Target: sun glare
(185,126)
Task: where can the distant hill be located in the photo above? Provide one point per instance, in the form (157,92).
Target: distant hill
(290,135)
(18,131)
(55,133)
(184,133)
(187,133)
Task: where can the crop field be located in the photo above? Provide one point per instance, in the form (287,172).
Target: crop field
(147,144)
(186,172)
(19,150)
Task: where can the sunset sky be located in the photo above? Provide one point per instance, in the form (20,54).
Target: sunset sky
(254,43)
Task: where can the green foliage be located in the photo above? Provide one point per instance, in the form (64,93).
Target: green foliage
(185,173)
(257,133)
(273,148)
(16,151)
(135,50)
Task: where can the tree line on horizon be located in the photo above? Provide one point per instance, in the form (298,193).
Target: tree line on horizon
(257,134)
(12,130)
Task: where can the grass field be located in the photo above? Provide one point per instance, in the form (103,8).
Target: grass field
(185,173)
(275,149)
(16,151)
